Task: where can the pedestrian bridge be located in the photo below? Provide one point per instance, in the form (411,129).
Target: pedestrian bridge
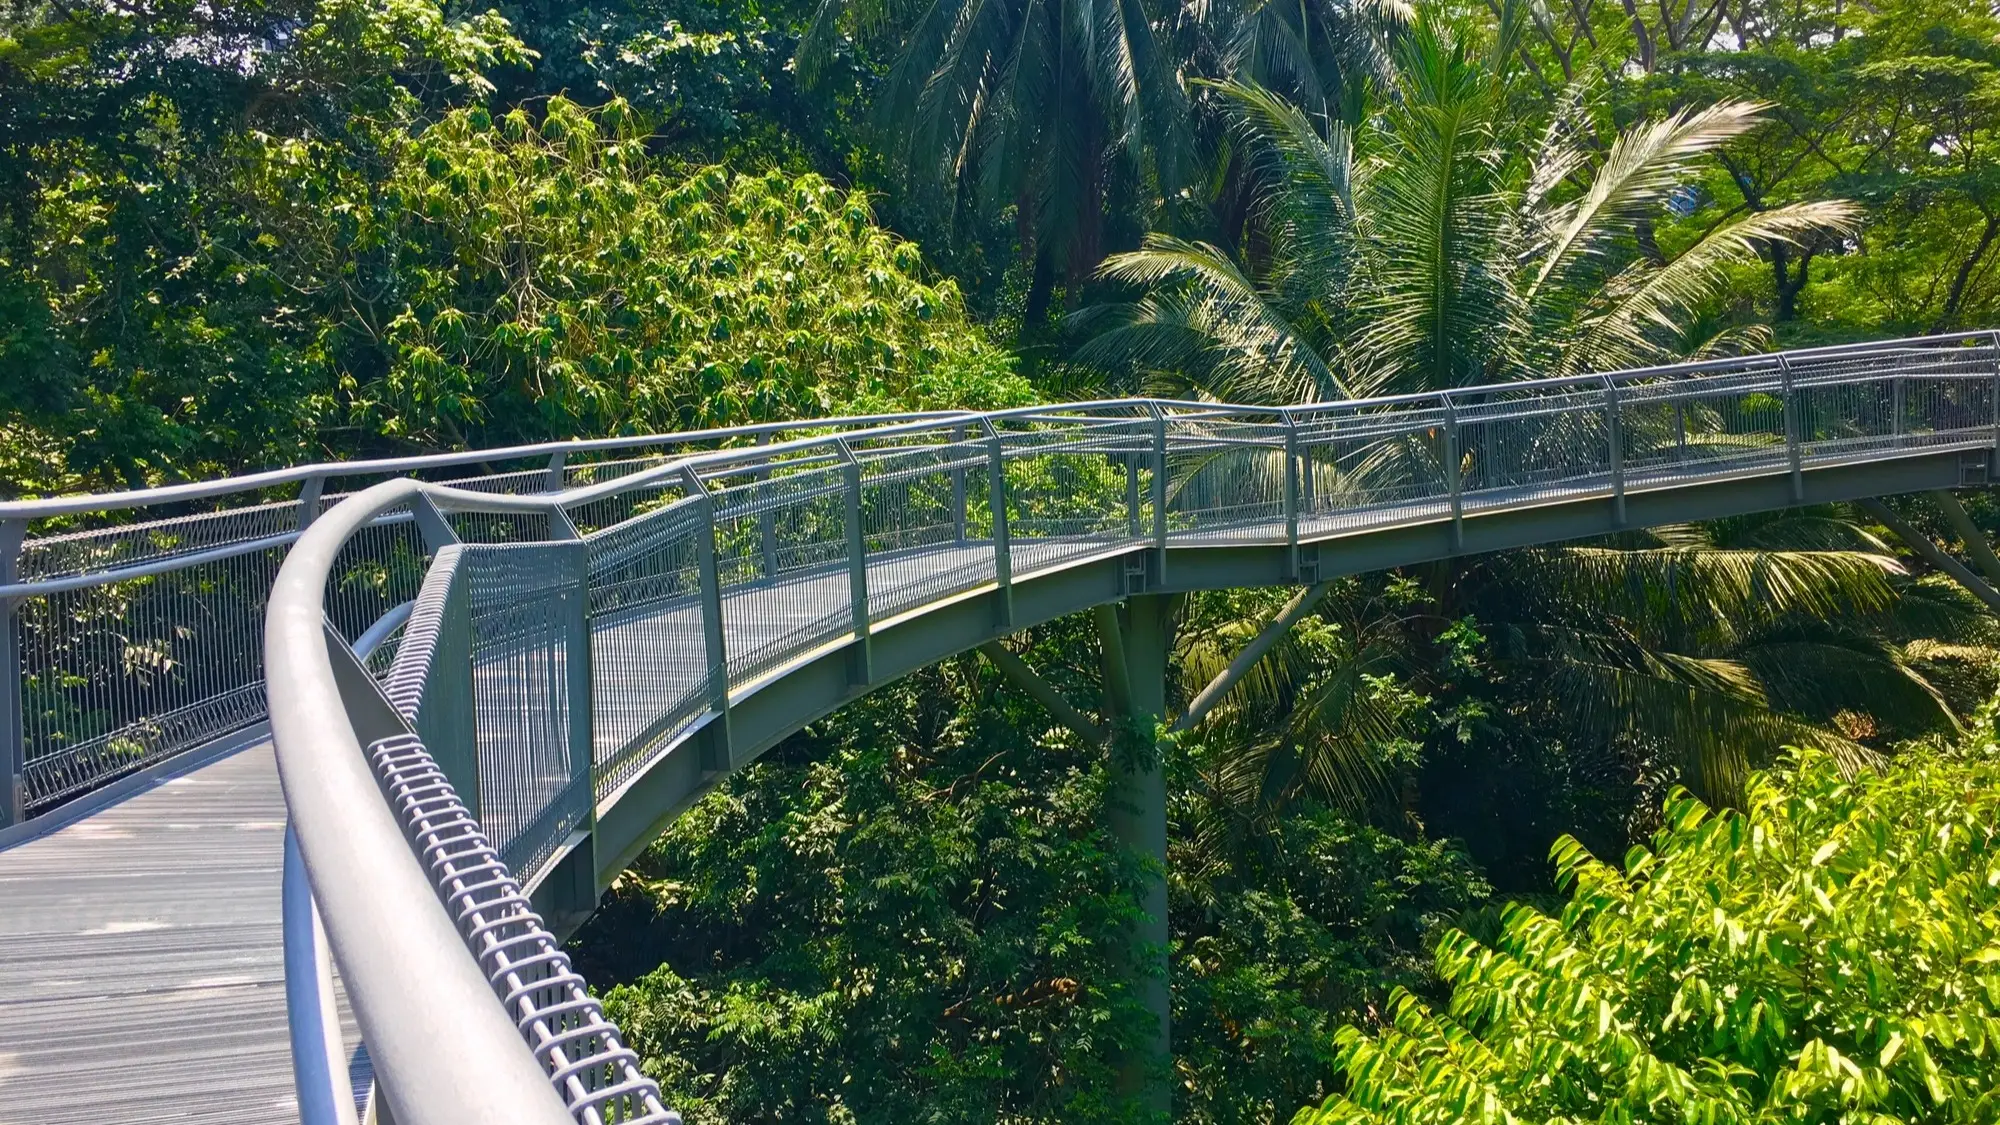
(490,679)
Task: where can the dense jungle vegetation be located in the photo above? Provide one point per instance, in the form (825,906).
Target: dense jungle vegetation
(242,234)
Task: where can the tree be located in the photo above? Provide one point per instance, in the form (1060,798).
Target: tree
(1831,953)
(1425,251)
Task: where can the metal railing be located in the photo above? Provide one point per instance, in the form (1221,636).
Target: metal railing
(558,642)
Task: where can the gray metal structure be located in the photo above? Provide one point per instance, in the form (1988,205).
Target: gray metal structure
(561,671)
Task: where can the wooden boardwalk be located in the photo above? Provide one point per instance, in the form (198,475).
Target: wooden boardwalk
(141,962)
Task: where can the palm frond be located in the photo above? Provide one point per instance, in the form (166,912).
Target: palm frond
(1643,165)
(1646,305)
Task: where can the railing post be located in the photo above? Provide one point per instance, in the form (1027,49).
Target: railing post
(13,682)
(1291,494)
(1159,492)
(554,477)
(436,529)
(577,676)
(718,752)
(1995,336)
(958,436)
(767,517)
(1680,430)
(1135,525)
(1793,439)
(857,561)
(1453,471)
(1614,436)
(310,490)
(1003,549)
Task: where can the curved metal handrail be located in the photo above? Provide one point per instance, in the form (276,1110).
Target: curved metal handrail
(401,957)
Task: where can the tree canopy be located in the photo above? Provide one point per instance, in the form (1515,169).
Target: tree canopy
(1831,952)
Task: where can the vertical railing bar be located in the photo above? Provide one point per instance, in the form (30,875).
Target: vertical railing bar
(1995,336)
(767,518)
(1453,471)
(1614,435)
(552,477)
(1680,432)
(13,681)
(1793,440)
(1159,492)
(1291,494)
(310,490)
(580,698)
(713,638)
(857,560)
(1003,548)
(958,436)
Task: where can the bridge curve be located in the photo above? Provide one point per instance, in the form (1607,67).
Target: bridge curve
(569,667)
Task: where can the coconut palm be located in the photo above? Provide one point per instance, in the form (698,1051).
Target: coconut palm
(1438,245)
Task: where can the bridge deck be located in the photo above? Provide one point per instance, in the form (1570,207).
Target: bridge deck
(141,968)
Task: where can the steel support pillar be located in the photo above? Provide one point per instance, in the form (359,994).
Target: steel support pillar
(1135,659)
(1933,554)
(1975,539)
(1044,693)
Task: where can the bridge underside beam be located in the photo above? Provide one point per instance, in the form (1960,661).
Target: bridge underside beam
(1044,693)
(1975,539)
(1933,554)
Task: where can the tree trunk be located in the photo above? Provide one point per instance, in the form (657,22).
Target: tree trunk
(1788,284)
(1955,300)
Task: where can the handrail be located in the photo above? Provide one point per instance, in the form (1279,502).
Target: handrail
(47,507)
(401,957)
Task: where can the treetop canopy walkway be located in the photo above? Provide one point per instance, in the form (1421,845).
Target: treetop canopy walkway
(491,678)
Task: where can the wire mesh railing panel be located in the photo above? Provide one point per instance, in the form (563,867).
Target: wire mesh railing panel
(100,549)
(1365,466)
(649,664)
(430,680)
(380,567)
(1225,473)
(530,688)
(781,554)
(118,676)
(1520,446)
(1716,421)
(1068,483)
(919,501)
(1916,398)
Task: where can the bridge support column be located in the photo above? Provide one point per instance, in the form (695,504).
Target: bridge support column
(1933,554)
(1975,539)
(1135,670)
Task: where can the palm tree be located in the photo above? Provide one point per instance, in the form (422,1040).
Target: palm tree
(1046,105)
(1441,244)
(1074,111)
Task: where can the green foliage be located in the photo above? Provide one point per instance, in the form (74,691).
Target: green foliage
(1830,954)
(913,914)
(551,272)
(1284,936)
